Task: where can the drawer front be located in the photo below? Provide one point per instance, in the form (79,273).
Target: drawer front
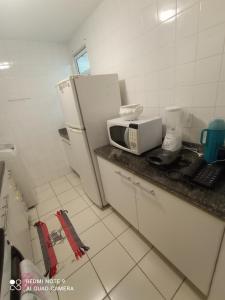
(119,190)
(187,236)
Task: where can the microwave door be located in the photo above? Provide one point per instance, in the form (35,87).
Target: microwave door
(126,138)
(119,136)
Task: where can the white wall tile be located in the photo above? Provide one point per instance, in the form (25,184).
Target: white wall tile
(204,95)
(167,78)
(184,96)
(212,13)
(186,49)
(150,15)
(177,61)
(33,124)
(202,116)
(208,70)
(211,41)
(220,112)
(221,94)
(166,32)
(185,74)
(166,9)
(187,22)
(184,4)
(222,75)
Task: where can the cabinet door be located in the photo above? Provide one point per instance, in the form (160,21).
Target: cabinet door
(187,236)
(119,190)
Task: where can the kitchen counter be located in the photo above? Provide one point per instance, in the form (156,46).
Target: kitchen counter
(63,133)
(211,201)
(2,169)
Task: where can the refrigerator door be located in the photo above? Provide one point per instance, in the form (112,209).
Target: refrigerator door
(69,103)
(81,154)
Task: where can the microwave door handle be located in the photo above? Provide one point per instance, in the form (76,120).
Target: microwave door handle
(126,138)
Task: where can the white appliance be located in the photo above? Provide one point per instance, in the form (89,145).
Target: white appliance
(131,111)
(173,138)
(135,136)
(87,103)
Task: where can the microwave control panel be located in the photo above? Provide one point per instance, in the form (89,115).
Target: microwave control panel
(133,137)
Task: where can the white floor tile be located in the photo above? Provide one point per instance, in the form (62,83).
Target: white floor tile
(87,200)
(33,232)
(188,292)
(84,220)
(37,253)
(45,195)
(97,237)
(75,206)
(47,206)
(135,286)
(63,251)
(86,285)
(73,179)
(42,188)
(62,187)
(134,244)
(115,224)
(161,273)
(68,196)
(102,213)
(41,267)
(70,266)
(112,264)
(80,189)
(58,180)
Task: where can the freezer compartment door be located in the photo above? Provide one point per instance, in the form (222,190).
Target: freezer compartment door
(85,169)
(69,103)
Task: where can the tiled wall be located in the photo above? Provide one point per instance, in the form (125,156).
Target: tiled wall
(166,52)
(30,112)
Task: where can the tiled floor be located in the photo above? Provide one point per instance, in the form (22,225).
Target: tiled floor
(120,265)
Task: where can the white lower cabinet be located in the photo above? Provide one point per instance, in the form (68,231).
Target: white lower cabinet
(187,236)
(119,190)
(184,234)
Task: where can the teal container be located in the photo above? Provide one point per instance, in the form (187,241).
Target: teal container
(212,139)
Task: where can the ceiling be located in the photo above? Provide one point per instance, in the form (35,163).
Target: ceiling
(43,20)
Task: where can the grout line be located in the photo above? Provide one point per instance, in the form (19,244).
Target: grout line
(113,288)
(73,272)
(151,282)
(178,289)
(101,249)
(99,278)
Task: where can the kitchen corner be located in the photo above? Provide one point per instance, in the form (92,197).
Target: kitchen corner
(211,201)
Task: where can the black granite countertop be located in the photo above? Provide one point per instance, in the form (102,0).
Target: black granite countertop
(63,133)
(2,170)
(211,201)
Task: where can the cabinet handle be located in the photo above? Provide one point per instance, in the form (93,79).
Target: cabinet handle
(152,192)
(125,177)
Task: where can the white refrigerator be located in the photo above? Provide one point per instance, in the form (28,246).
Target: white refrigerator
(87,103)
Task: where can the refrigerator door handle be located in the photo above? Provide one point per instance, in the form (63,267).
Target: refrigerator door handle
(76,130)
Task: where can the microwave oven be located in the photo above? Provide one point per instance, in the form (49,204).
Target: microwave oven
(135,136)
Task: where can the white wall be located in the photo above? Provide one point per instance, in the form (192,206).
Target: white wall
(180,61)
(32,124)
